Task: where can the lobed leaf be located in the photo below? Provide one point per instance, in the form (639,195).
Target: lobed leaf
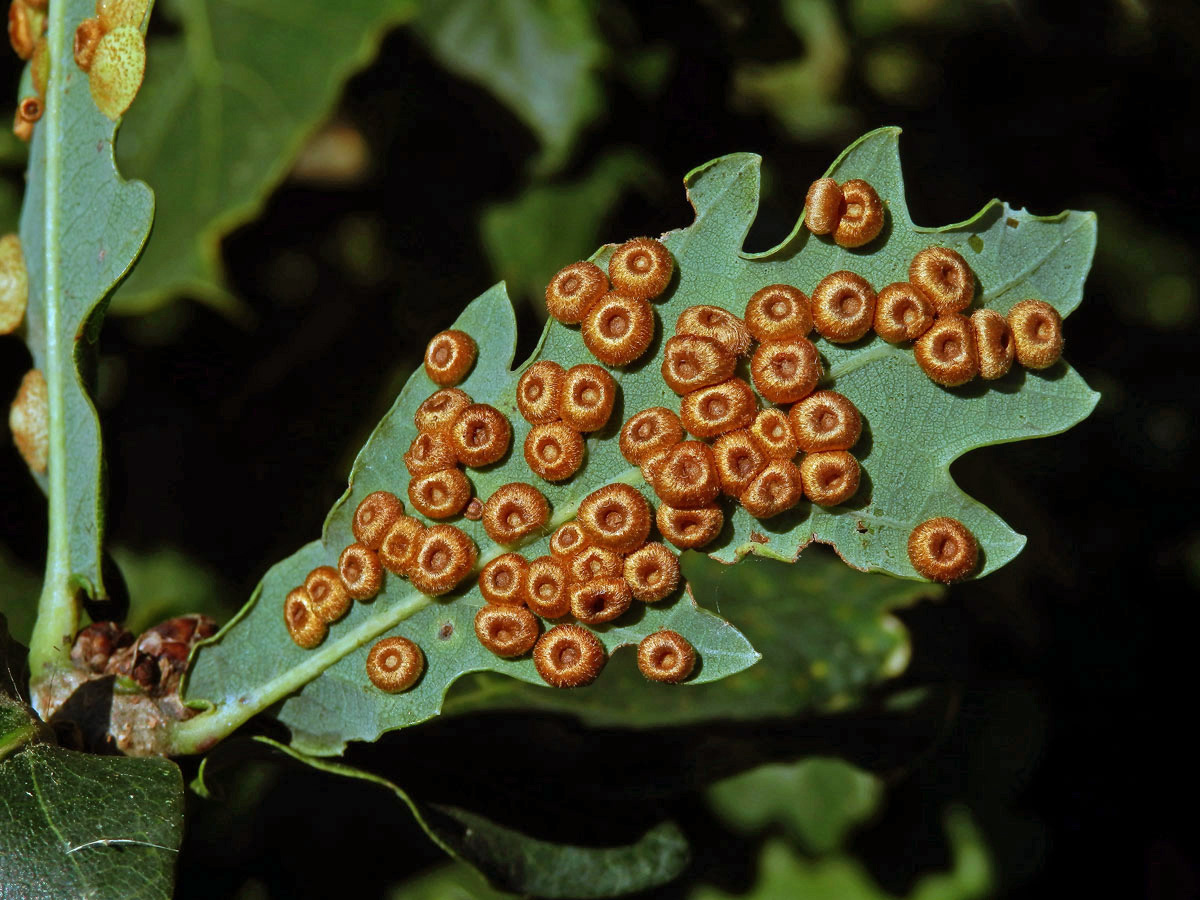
(913,430)
(82,226)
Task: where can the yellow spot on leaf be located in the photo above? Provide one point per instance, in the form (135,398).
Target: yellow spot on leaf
(29,421)
(117,69)
(39,68)
(115,13)
(14,284)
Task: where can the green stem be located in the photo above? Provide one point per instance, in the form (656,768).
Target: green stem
(198,734)
(58,606)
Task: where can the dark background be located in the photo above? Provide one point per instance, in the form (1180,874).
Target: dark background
(1070,745)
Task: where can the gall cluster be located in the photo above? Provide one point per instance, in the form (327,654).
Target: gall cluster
(613,310)
(721,442)
(598,565)
(561,405)
(737,449)
(930,308)
(852,212)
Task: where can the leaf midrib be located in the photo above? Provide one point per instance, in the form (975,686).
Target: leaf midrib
(57,610)
(229,713)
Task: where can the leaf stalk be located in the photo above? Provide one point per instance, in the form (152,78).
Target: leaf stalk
(58,605)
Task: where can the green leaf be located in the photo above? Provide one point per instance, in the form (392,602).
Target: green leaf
(514,861)
(825,632)
(226,107)
(784,875)
(82,226)
(255,663)
(10,206)
(538,58)
(527,238)
(18,724)
(802,93)
(817,801)
(165,583)
(18,600)
(452,881)
(74,825)
(914,430)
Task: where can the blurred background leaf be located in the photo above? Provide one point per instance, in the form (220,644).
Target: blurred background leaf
(816,801)
(527,236)
(19,589)
(538,58)
(802,94)
(785,875)
(226,106)
(165,583)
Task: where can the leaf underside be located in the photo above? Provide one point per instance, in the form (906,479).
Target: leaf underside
(913,430)
(82,226)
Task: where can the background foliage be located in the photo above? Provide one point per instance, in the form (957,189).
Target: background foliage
(1054,677)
